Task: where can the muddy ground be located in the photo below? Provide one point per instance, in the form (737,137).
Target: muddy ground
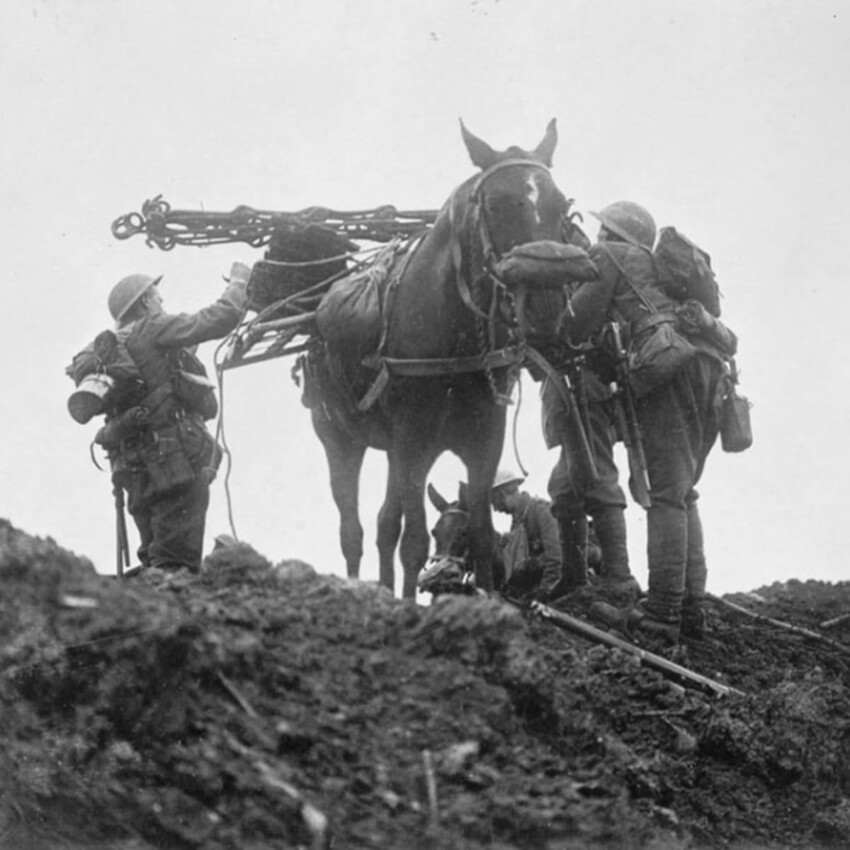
(270,706)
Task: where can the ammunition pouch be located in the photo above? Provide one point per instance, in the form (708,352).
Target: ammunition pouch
(129,425)
(166,459)
(698,324)
(179,455)
(657,352)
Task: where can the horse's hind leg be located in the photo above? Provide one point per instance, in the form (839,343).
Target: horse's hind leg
(345,460)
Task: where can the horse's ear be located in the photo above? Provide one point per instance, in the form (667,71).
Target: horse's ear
(436,499)
(546,148)
(462,498)
(480,152)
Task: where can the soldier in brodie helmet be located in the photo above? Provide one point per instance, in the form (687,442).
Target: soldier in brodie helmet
(604,500)
(531,550)
(160,451)
(679,422)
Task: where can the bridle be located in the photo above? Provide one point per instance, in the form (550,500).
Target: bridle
(481,262)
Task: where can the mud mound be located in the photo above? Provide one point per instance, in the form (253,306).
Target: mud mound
(261,705)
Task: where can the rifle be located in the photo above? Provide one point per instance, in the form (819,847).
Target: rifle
(647,659)
(583,470)
(627,425)
(122,547)
(576,368)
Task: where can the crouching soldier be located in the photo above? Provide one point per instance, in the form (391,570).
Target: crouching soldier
(161,453)
(531,550)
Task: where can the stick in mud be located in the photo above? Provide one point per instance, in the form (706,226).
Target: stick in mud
(431,787)
(835,621)
(647,659)
(779,624)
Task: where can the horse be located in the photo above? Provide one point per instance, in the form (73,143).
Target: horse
(448,356)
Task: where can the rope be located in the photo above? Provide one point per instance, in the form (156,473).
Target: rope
(220,435)
(519,462)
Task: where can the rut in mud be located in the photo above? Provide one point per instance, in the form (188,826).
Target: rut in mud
(261,705)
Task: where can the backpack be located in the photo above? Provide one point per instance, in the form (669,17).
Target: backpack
(684,270)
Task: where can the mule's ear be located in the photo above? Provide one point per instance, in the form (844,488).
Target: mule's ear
(462,498)
(436,499)
(546,148)
(480,152)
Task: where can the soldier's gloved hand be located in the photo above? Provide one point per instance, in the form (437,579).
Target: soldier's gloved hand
(239,273)
(237,284)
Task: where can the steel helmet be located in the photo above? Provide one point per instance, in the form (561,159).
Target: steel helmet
(128,291)
(630,221)
(506,476)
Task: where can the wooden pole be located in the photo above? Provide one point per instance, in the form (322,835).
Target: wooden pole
(779,624)
(647,659)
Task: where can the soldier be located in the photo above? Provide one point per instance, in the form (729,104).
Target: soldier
(678,419)
(160,451)
(604,500)
(531,550)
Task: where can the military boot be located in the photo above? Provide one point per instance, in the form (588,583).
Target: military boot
(693,620)
(610,525)
(573,532)
(666,548)
(638,623)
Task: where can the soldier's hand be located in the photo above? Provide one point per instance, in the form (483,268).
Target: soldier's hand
(240,273)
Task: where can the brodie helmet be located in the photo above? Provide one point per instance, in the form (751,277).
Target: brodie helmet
(505,477)
(128,291)
(630,221)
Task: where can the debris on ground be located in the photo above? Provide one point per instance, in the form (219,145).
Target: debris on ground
(260,705)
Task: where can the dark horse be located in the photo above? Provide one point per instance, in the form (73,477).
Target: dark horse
(448,356)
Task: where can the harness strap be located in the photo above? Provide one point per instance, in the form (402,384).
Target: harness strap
(643,323)
(423,367)
(410,248)
(560,381)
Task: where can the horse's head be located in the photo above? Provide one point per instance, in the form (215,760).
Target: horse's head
(514,195)
(520,232)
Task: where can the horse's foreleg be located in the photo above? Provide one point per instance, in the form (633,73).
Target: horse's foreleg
(345,460)
(481,464)
(415,540)
(482,545)
(389,529)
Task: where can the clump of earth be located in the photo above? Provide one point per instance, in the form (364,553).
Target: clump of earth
(261,705)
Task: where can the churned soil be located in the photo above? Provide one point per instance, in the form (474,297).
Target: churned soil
(270,706)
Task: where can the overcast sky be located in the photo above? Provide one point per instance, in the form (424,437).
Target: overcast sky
(727,119)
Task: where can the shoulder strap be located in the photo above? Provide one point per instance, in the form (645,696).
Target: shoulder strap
(158,395)
(644,300)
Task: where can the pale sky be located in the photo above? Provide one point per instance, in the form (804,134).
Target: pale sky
(727,119)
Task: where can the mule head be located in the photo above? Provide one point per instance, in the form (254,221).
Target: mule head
(447,570)
(450,530)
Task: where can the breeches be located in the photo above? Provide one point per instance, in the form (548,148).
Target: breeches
(606,490)
(679,424)
(171,528)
